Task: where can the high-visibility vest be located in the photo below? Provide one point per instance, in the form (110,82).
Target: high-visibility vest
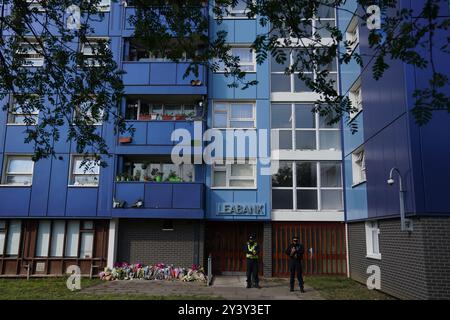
(251,248)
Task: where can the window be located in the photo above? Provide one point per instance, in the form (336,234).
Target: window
(43,238)
(141,169)
(352,34)
(2,236)
(235,175)
(52,236)
(92,50)
(84,171)
(88,113)
(87,240)
(18,171)
(57,245)
(72,237)
(30,53)
(372,240)
(22,112)
(299,128)
(307,185)
(234,115)
(282,82)
(358,166)
(135,50)
(247,59)
(355,97)
(13,239)
(104,5)
(325,18)
(144,109)
(238,11)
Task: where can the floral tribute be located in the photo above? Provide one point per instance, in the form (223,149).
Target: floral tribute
(160,271)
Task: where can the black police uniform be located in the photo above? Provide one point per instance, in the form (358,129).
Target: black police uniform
(295,263)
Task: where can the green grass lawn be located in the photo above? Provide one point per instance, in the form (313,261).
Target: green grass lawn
(55,289)
(343,288)
(331,288)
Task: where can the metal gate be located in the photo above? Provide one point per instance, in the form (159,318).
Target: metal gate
(325,250)
(225,242)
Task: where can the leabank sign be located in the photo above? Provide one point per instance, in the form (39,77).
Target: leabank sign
(245,209)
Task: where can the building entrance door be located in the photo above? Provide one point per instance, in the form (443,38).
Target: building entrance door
(225,241)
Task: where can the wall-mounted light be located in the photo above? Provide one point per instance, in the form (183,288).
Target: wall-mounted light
(406,224)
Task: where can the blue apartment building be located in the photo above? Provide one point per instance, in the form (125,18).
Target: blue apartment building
(54,214)
(413,263)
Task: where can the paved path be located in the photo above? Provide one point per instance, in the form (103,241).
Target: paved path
(226,287)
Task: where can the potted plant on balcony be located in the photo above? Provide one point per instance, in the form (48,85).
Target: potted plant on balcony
(144,117)
(154,116)
(167,117)
(173,177)
(157,175)
(118,177)
(180,117)
(190,116)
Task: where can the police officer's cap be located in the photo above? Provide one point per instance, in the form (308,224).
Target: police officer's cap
(252,237)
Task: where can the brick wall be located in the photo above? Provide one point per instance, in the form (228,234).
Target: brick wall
(267,250)
(144,241)
(413,265)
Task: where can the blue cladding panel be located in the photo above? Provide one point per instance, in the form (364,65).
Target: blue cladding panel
(158,195)
(40,189)
(386,150)
(159,133)
(58,186)
(15,201)
(353,140)
(81,202)
(137,73)
(163,73)
(15,136)
(245,31)
(140,135)
(187,196)
(356,197)
(129,192)
(435,142)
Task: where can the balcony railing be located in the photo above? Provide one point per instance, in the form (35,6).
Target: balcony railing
(159,199)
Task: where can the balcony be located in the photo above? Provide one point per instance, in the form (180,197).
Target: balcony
(160,199)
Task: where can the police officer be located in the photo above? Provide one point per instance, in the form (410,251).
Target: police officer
(295,252)
(251,252)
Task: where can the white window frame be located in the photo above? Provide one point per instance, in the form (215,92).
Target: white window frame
(35,58)
(294,76)
(163,109)
(352,33)
(91,56)
(241,14)
(88,112)
(72,175)
(13,249)
(317,129)
(7,173)
(220,166)
(359,166)
(222,68)
(355,96)
(318,188)
(3,231)
(12,114)
(229,106)
(372,240)
(315,21)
